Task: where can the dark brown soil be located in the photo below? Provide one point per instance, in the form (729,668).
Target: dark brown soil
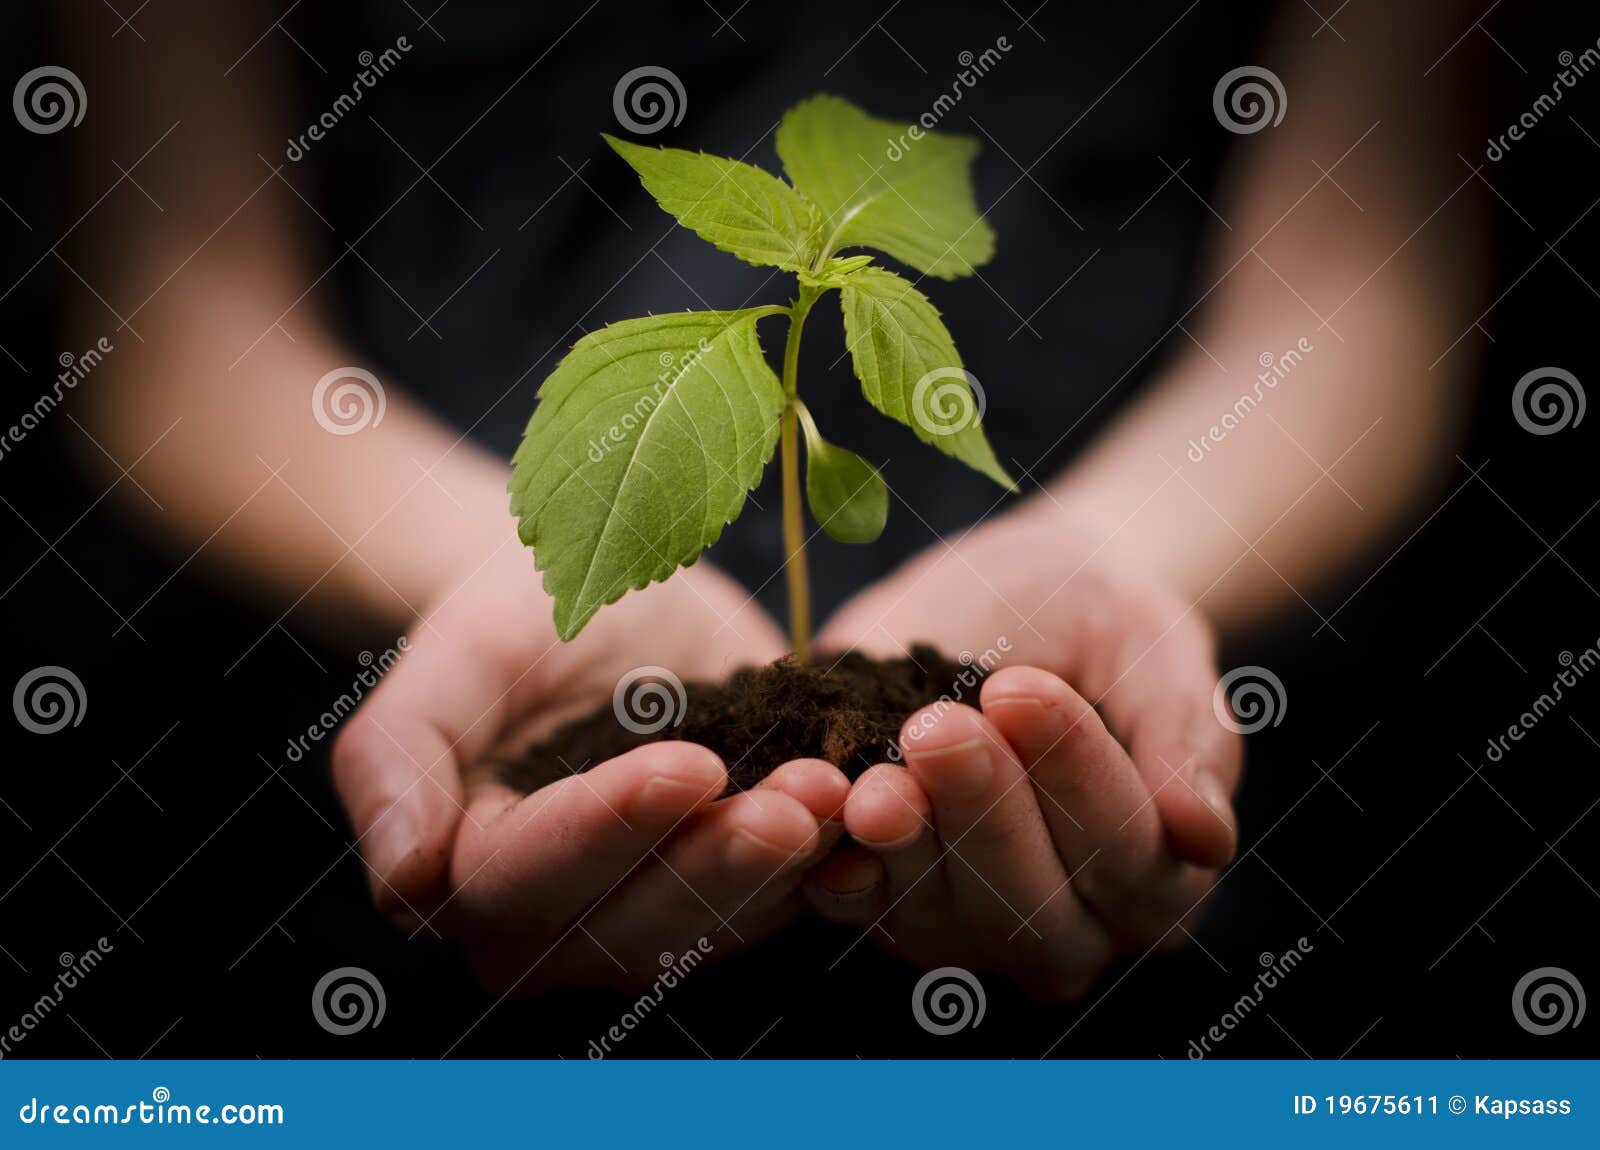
(847,710)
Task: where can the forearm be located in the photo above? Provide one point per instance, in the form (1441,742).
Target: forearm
(249,476)
(1247,487)
(1249,491)
(212,384)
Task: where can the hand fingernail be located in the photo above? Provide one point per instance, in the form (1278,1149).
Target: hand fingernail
(900,843)
(958,772)
(408,922)
(1215,796)
(1032,702)
(847,895)
(389,842)
(848,877)
(665,796)
(747,850)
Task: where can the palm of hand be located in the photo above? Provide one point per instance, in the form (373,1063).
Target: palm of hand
(1081,813)
(591,879)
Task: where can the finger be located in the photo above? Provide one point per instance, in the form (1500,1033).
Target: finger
(889,813)
(887,810)
(740,859)
(1160,706)
(540,860)
(889,818)
(1005,876)
(849,886)
(397,765)
(1097,807)
(819,786)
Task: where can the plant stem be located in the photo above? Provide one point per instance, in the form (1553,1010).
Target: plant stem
(794,542)
(794,539)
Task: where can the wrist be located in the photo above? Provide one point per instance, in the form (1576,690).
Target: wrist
(1062,541)
(454,531)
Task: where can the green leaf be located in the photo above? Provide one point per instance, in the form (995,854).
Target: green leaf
(847,495)
(919,207)
(833,272)
(646,438)
(739,208)
(910,370)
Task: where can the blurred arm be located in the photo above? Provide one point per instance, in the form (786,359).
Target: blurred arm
(1371,266)
(231,341)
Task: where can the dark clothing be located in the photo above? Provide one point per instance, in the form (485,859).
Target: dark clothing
(569,241)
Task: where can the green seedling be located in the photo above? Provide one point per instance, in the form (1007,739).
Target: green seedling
(650,432)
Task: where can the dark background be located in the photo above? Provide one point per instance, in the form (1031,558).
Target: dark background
(1427,879)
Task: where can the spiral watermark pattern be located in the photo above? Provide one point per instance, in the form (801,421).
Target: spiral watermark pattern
(49,699)
(648,99)
(1548,400)
(348,999)
(1249,699)
(649,699)
(1248,99)
(948,1000)
(348,400)
(1548,999)
(48,99)
(947,401)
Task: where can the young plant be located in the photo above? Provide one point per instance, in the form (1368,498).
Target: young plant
(651,431)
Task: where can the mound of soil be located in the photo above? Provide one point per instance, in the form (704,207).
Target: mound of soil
(847,710)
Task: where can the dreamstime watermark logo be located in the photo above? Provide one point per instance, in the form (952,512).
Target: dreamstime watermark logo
(973,670)
(74,370)
(48,99)
(348,400)
(947,401)
(348,999)
(373,69)
(1548,400)
(1574,669)
(1274,370)
(948,1000)
(1249,99)
(1249,699)
(49,699)
(374,668)
(1547,1000)
(158,1110)
(973,68)
(649,98)
(73,968)
(649,699)
(1573,69)
(672,370)
(1274,968)
(674,969)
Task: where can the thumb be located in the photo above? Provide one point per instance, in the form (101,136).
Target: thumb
(397,766)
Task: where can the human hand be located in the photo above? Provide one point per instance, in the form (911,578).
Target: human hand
(1033,836)
(589,880)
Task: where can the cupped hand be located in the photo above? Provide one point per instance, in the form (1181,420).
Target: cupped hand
(1077,809)
(600,877)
